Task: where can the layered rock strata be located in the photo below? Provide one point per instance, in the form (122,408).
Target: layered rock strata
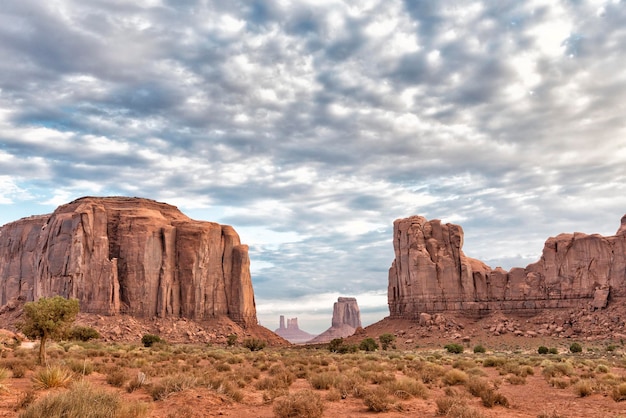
(346,319)
(292,331)
(431,273)
(128,255)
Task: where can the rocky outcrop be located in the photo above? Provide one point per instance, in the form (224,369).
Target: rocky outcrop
(128,255)
(292,332)
(346,319)
(431,273)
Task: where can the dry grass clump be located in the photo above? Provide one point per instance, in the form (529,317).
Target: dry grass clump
(551,369)
(324,380)
(116,377)
(455,377)
(302,404)
(455,406)
(52,377)
(583,388)
(619,393)
(172,384)
(560,382)
(405,388)
(377,400)
(480,387)
(83,401)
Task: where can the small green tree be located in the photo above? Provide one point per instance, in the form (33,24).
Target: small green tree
(47,318)
(386,340)
(148,340)
(368,344)
(335,344)
(575,348)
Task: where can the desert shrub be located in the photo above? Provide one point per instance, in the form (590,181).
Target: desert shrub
(480,349)
(52,377)
(542,349)
(575,348)
(172,384)
(454,348)
(611,347)
(477,385)
(583,388)
(231,340)
(83,401)
(463,364)
(222,367)
(456,407)
(431,372)
(602,368)
(493,362)
(516,380)
(553,350)
(386,340)
(368,344)
(148,340)
(550,414)
(302,404)
(455,377)
(619,392)
(559,382)
(84,367)
(116,377)
(18,370)
(377,400)
(406,387)
(334,344)
(138,381)
(491,398)
(254,344)
(82,333)
(324,380)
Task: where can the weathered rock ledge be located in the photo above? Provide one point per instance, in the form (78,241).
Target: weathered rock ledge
(431,274)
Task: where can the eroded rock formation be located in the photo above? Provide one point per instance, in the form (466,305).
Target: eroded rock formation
(346,319)
(128,255)
(431,274)
(292,331)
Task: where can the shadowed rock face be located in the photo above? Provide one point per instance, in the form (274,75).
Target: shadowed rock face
(128,255)
(431,274)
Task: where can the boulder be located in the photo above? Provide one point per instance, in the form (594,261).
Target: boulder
(128,255)
(431,274)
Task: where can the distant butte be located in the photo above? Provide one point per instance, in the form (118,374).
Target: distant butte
(292,332)
(431,274)
(346,320)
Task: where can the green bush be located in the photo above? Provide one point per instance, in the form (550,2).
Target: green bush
(480,349)
(575,348)
(386,340)
(82,333)
(148,340)
(553,350)
(254,344)
(231,340)
(334,344)
(542,349)
(454,348)
(368,344)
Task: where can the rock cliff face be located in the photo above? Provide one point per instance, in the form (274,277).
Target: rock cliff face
(292,331)
(431,274)
(128,255)
(346,319)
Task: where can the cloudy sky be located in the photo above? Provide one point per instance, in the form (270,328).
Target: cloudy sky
(311,125)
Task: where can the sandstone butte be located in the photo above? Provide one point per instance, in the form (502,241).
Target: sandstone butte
(346,320)
(431,274)
(131,256)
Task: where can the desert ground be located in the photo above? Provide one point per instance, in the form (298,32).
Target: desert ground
(126,379)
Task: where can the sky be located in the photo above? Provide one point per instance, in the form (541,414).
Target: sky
(310,126)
